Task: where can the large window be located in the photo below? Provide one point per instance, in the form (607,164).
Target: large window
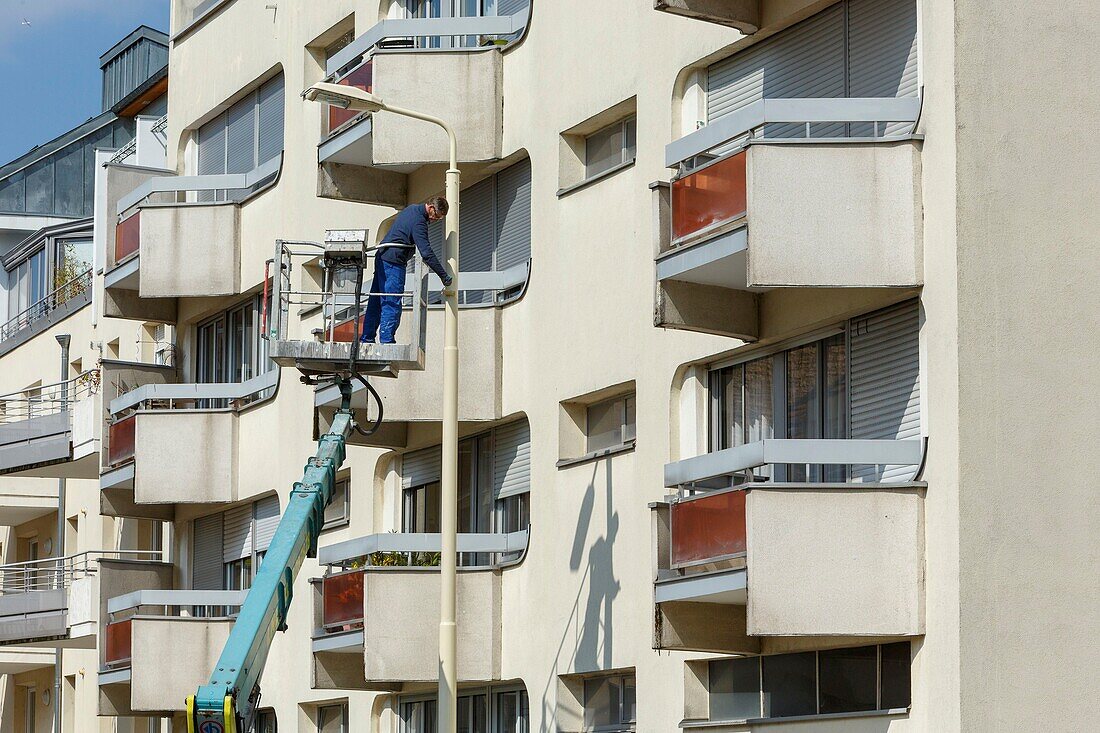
(859,679)
(333,719)
(614,145)
(227,547)
(610,424)
(860,382)
(43,275)
(483,711)
(230,347)
(610,703)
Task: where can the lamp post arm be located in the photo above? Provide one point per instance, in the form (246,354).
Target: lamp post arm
(435,121)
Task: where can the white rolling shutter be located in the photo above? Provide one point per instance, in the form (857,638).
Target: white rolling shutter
(270,120)
(885,383)
(237,533)
(267,520)
(511,459)
(206,544)
(513,215)
(421,467)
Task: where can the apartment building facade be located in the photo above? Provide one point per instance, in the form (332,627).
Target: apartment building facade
(748,298)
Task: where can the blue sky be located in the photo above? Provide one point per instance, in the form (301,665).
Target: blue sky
(49,70)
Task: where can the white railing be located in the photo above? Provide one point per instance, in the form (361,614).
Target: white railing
(176,602)
(38,311)
(176,187)
(49,399)
(56,573)
(873,111)
(388,548)
(177,396)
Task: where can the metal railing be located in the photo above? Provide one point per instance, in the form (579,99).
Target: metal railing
(38,311)
(56,573)
(176,602)
(199,395)
(49,399)
(818,118)
(408,549)
(174,190)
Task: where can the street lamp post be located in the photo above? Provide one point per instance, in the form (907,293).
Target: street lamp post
(349,97)
(63,340)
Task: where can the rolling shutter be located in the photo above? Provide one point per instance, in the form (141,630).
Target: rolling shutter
(885,383)
(211,152)
(882,54)
(267,520)
(511,7)
(511,459)
(206,568)
(237,533)
(240,147)
(270,120)
(421,467)
(476,244)
(513,215)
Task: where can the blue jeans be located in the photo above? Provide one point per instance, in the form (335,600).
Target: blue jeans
(384,311)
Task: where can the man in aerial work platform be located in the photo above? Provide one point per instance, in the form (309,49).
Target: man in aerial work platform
(409,231)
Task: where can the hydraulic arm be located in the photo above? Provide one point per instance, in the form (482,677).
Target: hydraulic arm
(227,704)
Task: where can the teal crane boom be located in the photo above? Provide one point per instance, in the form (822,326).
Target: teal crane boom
(227,703)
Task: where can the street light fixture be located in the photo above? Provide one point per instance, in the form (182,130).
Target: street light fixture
(349,97)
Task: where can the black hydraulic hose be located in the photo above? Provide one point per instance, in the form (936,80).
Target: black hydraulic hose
(354,355)
(377,422)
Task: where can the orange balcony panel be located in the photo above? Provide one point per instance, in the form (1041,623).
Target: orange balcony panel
(119,637)
(127,236)
(120,446)
(342,597)
(708,528)
(361,78)
(708,197)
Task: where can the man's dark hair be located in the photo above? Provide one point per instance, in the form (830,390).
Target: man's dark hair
(439,204)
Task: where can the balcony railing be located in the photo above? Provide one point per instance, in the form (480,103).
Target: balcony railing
(50,399)
(127,237)
(56,573)
(707,527)
(421,549)
(40,311)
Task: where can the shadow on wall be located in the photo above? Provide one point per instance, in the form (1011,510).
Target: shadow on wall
(592,625)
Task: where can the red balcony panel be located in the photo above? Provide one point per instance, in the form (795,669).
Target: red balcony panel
(710,196)
(119,636)
(708,528)
(361,78)
(342,599)
(120,442)
(127,236)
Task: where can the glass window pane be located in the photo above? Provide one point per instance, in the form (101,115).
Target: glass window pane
(605,425)
(847,679)
(336,511)
(630,700)
(835,399)
(735,689)
(789,685)
(630,139)
(630,420)
(332,719)
(733,407)
(603,150)
(803,402)
(896,661)
(759,411)
(601,702)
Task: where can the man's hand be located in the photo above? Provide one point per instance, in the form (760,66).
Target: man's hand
(447,280)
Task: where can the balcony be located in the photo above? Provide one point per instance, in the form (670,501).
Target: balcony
(744,15)
(727,240)
(139,625)
(394,59)
(177,444)
(179,236)
(369,621)
(55,602)
(737,566)
(50,432)
(51,310)
(414,397)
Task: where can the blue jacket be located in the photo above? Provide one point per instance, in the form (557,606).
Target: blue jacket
(410,229)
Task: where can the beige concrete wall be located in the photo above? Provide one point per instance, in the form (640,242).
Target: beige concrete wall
(855,569)
(398,611)
(1028,389)
(859,215)
(190,251)
(185,457)
(153,691)
(470,86)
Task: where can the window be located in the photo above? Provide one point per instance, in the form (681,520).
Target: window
(333,718)
(29,713)
(851,680)
(614,145)
(338,512)
(231,349)
(610,703)
(508,713)
(610,424)
(28,283)
(265,722)
(244,137)
(512,714)
(228,546)
(861,382)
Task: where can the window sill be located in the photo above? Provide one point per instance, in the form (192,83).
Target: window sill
(703,724)
(598,177)
(336,524)
(597,455)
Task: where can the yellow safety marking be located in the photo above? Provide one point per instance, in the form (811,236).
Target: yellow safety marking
(230,716)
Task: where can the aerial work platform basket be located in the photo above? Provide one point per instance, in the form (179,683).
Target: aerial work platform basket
(346,267)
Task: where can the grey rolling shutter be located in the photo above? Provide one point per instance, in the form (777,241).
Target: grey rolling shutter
(270,120)
(513,215)
(882,54)
(476,244)
(420,467)
(267,519)
(511,7)
(511,459)
(206,543)
(240,147)
(211,152)
(237,533)
(806,60)
(885,383)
